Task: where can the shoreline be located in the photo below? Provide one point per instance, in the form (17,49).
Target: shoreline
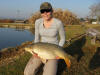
(8,54)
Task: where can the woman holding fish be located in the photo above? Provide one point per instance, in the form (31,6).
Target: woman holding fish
(47,30)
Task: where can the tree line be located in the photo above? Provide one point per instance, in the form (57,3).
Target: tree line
(67,17)
(6,21)
(95,11)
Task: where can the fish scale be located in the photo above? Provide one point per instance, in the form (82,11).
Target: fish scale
(48,51)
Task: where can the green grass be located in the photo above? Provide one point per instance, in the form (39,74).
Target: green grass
(72,31)
(16,67)
(85,61)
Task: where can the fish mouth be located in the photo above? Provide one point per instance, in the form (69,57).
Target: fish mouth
(27,48)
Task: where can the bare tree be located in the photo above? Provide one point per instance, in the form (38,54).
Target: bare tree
(95,11)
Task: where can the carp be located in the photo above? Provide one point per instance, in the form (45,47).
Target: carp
(48,51)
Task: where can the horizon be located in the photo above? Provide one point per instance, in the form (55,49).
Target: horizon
(23,9)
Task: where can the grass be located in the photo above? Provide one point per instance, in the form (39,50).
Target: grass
(72,31)
(16,67)
(85,61)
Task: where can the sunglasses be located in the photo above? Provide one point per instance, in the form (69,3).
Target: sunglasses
(45,10)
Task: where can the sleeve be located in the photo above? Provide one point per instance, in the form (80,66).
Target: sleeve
(37,36)
(61,34)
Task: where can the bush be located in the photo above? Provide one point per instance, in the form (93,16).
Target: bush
(67,17)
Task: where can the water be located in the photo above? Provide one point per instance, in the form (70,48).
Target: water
(12,37)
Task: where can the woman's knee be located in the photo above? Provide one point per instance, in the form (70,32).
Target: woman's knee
(29,72)
(32,66)
(50,68)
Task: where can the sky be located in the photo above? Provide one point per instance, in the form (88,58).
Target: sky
(23,9)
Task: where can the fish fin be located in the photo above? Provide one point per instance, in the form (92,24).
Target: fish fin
(68,62)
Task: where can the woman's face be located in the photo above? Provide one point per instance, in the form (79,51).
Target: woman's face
(46,15)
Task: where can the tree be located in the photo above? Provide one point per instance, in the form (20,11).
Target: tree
(95,11)
(67,17)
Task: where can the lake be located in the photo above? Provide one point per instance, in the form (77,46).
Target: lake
(13,37)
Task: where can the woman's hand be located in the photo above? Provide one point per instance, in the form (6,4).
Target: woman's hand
(35,55)
(57,57)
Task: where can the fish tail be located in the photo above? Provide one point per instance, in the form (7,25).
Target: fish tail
(68,63)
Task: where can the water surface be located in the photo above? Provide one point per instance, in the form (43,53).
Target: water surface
(13,37)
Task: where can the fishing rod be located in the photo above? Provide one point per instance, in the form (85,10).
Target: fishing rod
(73,38)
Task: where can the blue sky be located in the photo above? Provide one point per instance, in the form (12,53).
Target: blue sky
(25,8)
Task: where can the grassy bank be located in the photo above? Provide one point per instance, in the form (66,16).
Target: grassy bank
(85,61)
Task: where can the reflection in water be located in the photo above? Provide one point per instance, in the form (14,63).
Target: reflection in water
(13,37)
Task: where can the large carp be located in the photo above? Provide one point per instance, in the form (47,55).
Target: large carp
(48,51)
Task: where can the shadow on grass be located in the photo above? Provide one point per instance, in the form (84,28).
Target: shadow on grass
(61,67)
(74,49)
(95,61)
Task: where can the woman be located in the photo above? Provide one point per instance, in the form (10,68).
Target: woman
(47,30)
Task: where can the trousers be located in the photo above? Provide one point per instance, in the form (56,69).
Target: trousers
(50,67)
